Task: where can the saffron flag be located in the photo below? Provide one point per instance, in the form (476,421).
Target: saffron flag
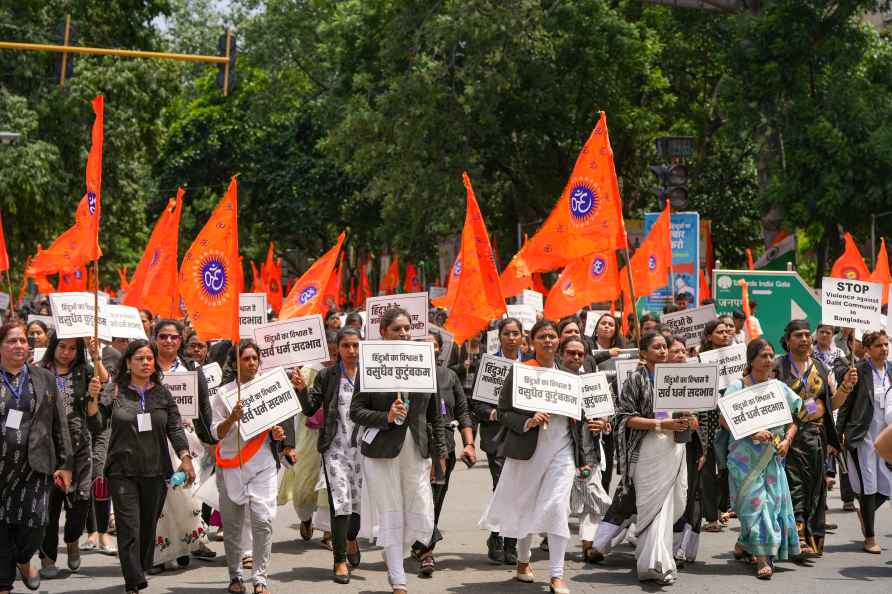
(881,271)
(705,291)
(749,259)
(256,280)
(412,282)
(4,256)
(364,290)
(271,273)
(74,280)
(155,283)
(587,217)
(333,288)
(391,279)
(342,289)
(850,265)
(306,297)
(210,271)
(477,293)
(514,280)
(747,311)
(123,283)
(652,260)
(584,281)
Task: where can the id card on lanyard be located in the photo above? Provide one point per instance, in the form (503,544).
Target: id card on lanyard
(811,407)
(14,415)
(143,419)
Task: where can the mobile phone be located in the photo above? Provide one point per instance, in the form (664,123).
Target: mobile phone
(682,436)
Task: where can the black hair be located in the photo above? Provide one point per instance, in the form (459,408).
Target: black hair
(245,343)
(707,301)
(648,317)
(123,378)
(353,317)
(673,338)
(648,339)
(390,317)
(543,323)
(752,351)
(567,340)
(49,356)
(567,321)
(40,323)
(738,314)
(509,320)
(791,327)
(331,337)
(708,329)
(332,314)
(168,322)
(616,340)
(671,308)
(871,337)
(347,331)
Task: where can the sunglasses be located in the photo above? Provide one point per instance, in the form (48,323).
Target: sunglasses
(169,337)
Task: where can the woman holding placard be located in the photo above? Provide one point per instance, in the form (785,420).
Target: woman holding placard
(397,454)
(866,413)
(543,454)
(654,465)
(499,549)
(76,382)
(760,493)
(247,474)
(332,392)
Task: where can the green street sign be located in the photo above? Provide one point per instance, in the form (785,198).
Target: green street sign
(780,296)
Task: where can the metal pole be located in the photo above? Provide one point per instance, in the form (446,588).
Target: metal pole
(873,240)
(102,51)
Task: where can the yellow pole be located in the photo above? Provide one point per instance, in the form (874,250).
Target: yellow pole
(102,51)
(226,67)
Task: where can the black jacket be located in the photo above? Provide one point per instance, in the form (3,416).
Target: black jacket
(49,441)
(323,394)
(856,413)
(453,405)
(369,409)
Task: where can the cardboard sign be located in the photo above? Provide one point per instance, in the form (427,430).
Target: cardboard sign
(624,369)
(38,354)
(73,315)
(523,313)
(267,400)
(213,374)
(685,387)
(757,408)
(533,299)
(414,303)
(289,343)
(183,386)
(688,324)
(553,391)
(490,376)
(397,366)
(492,342)
(852,304)
(597,398)
(730,360)
(591,321)
(448,343)
(124,322)
(48,320)
(251,313)
(4,301)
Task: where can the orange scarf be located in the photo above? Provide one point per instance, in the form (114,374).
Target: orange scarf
(247,452)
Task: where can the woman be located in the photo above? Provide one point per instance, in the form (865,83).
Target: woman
(867,411)
(333,321)
(759,491)
(247,474)
(196,349)
(148,320)
(76,382)
(332,392)
(397,453)
(571,326)
(38,334)
(36,444)
(454,408)
(499,550)
(143,416)
(533,494)
(607,338)
(593,497)
(654,465)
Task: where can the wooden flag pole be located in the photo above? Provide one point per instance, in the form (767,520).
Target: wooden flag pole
(631,290)
(11,295)
(96,301)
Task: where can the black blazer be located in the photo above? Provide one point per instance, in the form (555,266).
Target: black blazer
(323,394)
(49,440)
(369,409)
(517,443)
(856,413)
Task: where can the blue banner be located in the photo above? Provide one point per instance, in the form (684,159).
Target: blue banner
(685,227)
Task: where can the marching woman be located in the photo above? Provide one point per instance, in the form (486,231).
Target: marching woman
(608,338)
(654,464)
(143,416)
(76,383)
(866,413)
(759,491)
(36,446)
(332,392)
(500,550)
(247,474)
(38,334)
(397,448)
(543,454)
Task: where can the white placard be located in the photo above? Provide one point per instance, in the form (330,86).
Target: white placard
(4,301)
(397,366)
(685,386)
(435,292)
(597,398)
(251,313)
(448,342)
(293,342)
(522,312)
(73,315)
(414,303)
(591,321)
(852,304)
(534,299)
(213,374)
(624,369)
(757,408)
(539,389)
(688,324)
(731,361)
(48,320)
(267,400)
(124,322)
(491,375)
(38,354)
(492,342)
(183,386)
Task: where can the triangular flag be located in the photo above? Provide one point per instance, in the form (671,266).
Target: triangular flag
(850,265)
(306,297)
(880,272)
(652,260)
(4,256)
(584,281)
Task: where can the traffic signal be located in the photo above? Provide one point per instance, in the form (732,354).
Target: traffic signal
(226,47)
(673,184)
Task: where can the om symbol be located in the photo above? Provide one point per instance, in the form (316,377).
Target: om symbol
(582,201)
(213,277)
(598,266)
(307,294)
(91,202)
(651,263)
(456,270)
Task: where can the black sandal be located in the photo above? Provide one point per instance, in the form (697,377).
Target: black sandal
(236,586)
(354,558)
(341,578)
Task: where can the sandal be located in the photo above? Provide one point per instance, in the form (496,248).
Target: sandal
(765,571)
(236,586)
(326,541)
(741,555)
(306,530)
(592,555)
(428,565)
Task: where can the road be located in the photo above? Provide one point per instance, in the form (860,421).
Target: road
(305,567)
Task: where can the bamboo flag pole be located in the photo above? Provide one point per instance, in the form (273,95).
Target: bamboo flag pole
(96,301)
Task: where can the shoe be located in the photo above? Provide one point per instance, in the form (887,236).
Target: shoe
(110,550)
(495,549)
(155,570)
(74,556)
(306,530)
(203,552)
(873,549)
(89,545)
(558,589)
(356,557)
(666,580)
(50,572)
(848,506)
(527,576)
(428,565)
(31,582)
(341,578)
(510,551)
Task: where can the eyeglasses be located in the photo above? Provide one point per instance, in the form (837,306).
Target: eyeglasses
(577,354)
(169,337)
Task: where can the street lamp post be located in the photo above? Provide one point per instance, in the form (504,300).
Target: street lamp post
(873,235)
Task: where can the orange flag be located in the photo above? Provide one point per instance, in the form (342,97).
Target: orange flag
(412,282)
(306,297)
(271,273)
(477,293)
(850,265)
(364,290)
(513,279)
(71,281)
(588,216)
(585,280)
(881,271)
(390,282)
(333,288)
(257,280)
(749,259)
(123,283)
(653,259)
(705,291)
(210,271)
(154,285)
(745,305)
(4,257)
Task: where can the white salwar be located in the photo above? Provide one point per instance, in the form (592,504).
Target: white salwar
(661,486)
(875,475)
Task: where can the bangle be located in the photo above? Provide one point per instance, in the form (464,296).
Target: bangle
(659,427)
(184,456)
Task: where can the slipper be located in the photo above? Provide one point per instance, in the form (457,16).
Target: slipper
(306,530)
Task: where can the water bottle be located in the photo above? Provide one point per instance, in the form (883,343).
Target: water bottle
(401,420)
(177,479)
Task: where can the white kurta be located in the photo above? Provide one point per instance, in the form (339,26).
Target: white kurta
(533,496)
(876,476)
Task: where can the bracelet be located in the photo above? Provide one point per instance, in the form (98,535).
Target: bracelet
(184,456)
(659,427)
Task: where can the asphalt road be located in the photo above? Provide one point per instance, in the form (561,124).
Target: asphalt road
(305,567)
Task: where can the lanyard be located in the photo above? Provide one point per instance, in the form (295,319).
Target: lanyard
(795,370)
(175,365)
(142,396)
(17,394)
(877,374)
(345,376)
(61,381)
